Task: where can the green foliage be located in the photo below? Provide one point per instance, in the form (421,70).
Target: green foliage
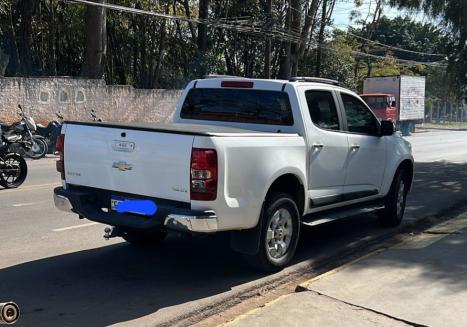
(150,52)
(453,14)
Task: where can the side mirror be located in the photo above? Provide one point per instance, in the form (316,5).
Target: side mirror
(387,128)
(393,103)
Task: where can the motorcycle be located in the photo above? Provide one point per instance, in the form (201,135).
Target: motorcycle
(51,132)
(21,138)
(94,116)
(13,167)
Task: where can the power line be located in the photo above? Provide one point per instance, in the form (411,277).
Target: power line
(404,62)
(243,26)
(234,24)
(396,48)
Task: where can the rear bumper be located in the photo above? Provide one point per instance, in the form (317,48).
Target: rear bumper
(90,205)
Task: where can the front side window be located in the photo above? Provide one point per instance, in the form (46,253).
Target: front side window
(322,109)
(237,105)
(359,118)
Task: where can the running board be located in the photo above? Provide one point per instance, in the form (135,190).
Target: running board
(339,213)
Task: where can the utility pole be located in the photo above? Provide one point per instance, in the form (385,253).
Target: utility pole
(267,48)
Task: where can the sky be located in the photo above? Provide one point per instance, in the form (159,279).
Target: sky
(344,7)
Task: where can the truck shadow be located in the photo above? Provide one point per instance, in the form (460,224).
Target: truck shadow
(119,283)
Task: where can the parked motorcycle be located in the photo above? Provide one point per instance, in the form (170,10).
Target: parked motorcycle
(21,138)
(94,116)
(51,131)
(13,167)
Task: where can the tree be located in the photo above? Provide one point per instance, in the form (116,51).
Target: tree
(453,13)
(27,8)
(325,18)
(96,41)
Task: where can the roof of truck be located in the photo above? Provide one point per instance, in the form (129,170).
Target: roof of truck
(215,81)
(375,94)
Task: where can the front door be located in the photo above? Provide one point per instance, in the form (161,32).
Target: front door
(367,150)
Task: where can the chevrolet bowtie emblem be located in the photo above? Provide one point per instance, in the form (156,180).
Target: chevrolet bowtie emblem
(122,166)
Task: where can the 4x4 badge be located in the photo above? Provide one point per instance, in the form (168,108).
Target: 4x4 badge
(123,146)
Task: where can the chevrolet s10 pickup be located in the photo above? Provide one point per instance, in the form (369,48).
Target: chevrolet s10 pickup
(257,158)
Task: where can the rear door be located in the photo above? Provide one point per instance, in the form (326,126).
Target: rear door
(327,146)
(366,152)
(148,163)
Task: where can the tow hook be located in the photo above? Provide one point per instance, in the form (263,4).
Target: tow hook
(110,232)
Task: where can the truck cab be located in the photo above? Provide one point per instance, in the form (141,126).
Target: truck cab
(383,105)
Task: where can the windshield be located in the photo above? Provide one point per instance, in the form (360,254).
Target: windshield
(376,102)
(236,105)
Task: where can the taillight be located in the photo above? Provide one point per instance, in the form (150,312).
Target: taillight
(60,147)
(203,175)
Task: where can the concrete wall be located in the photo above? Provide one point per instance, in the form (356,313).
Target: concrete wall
(74,98)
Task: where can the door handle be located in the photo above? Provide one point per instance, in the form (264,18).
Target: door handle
(318,146)
(354,147)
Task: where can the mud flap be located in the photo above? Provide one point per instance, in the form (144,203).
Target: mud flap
(247,241)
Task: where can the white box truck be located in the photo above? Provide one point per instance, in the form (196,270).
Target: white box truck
(399,98)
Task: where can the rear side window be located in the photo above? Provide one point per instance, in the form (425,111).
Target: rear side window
(237,105)
(322,109)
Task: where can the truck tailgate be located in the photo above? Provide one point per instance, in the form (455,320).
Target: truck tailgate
(140,162)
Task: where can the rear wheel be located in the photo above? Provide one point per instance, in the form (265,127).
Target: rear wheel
(280,228)
(13,170)
(144,238)
(38,149)
(395,201)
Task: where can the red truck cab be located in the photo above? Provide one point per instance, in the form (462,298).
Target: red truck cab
(383,105)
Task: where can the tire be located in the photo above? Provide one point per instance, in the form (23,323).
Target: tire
(280,215)
(405,128)
(144,238)
(395,201)
(43,148)
(14,172)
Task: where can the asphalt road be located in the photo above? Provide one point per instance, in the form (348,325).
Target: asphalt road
(61,271)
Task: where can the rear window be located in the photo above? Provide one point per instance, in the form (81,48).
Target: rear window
(237,105)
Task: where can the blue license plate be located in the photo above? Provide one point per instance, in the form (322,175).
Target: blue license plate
(124,205)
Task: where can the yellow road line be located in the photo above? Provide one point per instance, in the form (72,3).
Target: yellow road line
(253,311)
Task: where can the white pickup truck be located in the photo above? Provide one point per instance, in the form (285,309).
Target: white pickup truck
(258,158)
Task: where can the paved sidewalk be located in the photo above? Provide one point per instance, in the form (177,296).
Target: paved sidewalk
(422,281)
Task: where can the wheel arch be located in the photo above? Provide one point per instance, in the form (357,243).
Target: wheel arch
(247,241)
(291,184)
(407,165)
